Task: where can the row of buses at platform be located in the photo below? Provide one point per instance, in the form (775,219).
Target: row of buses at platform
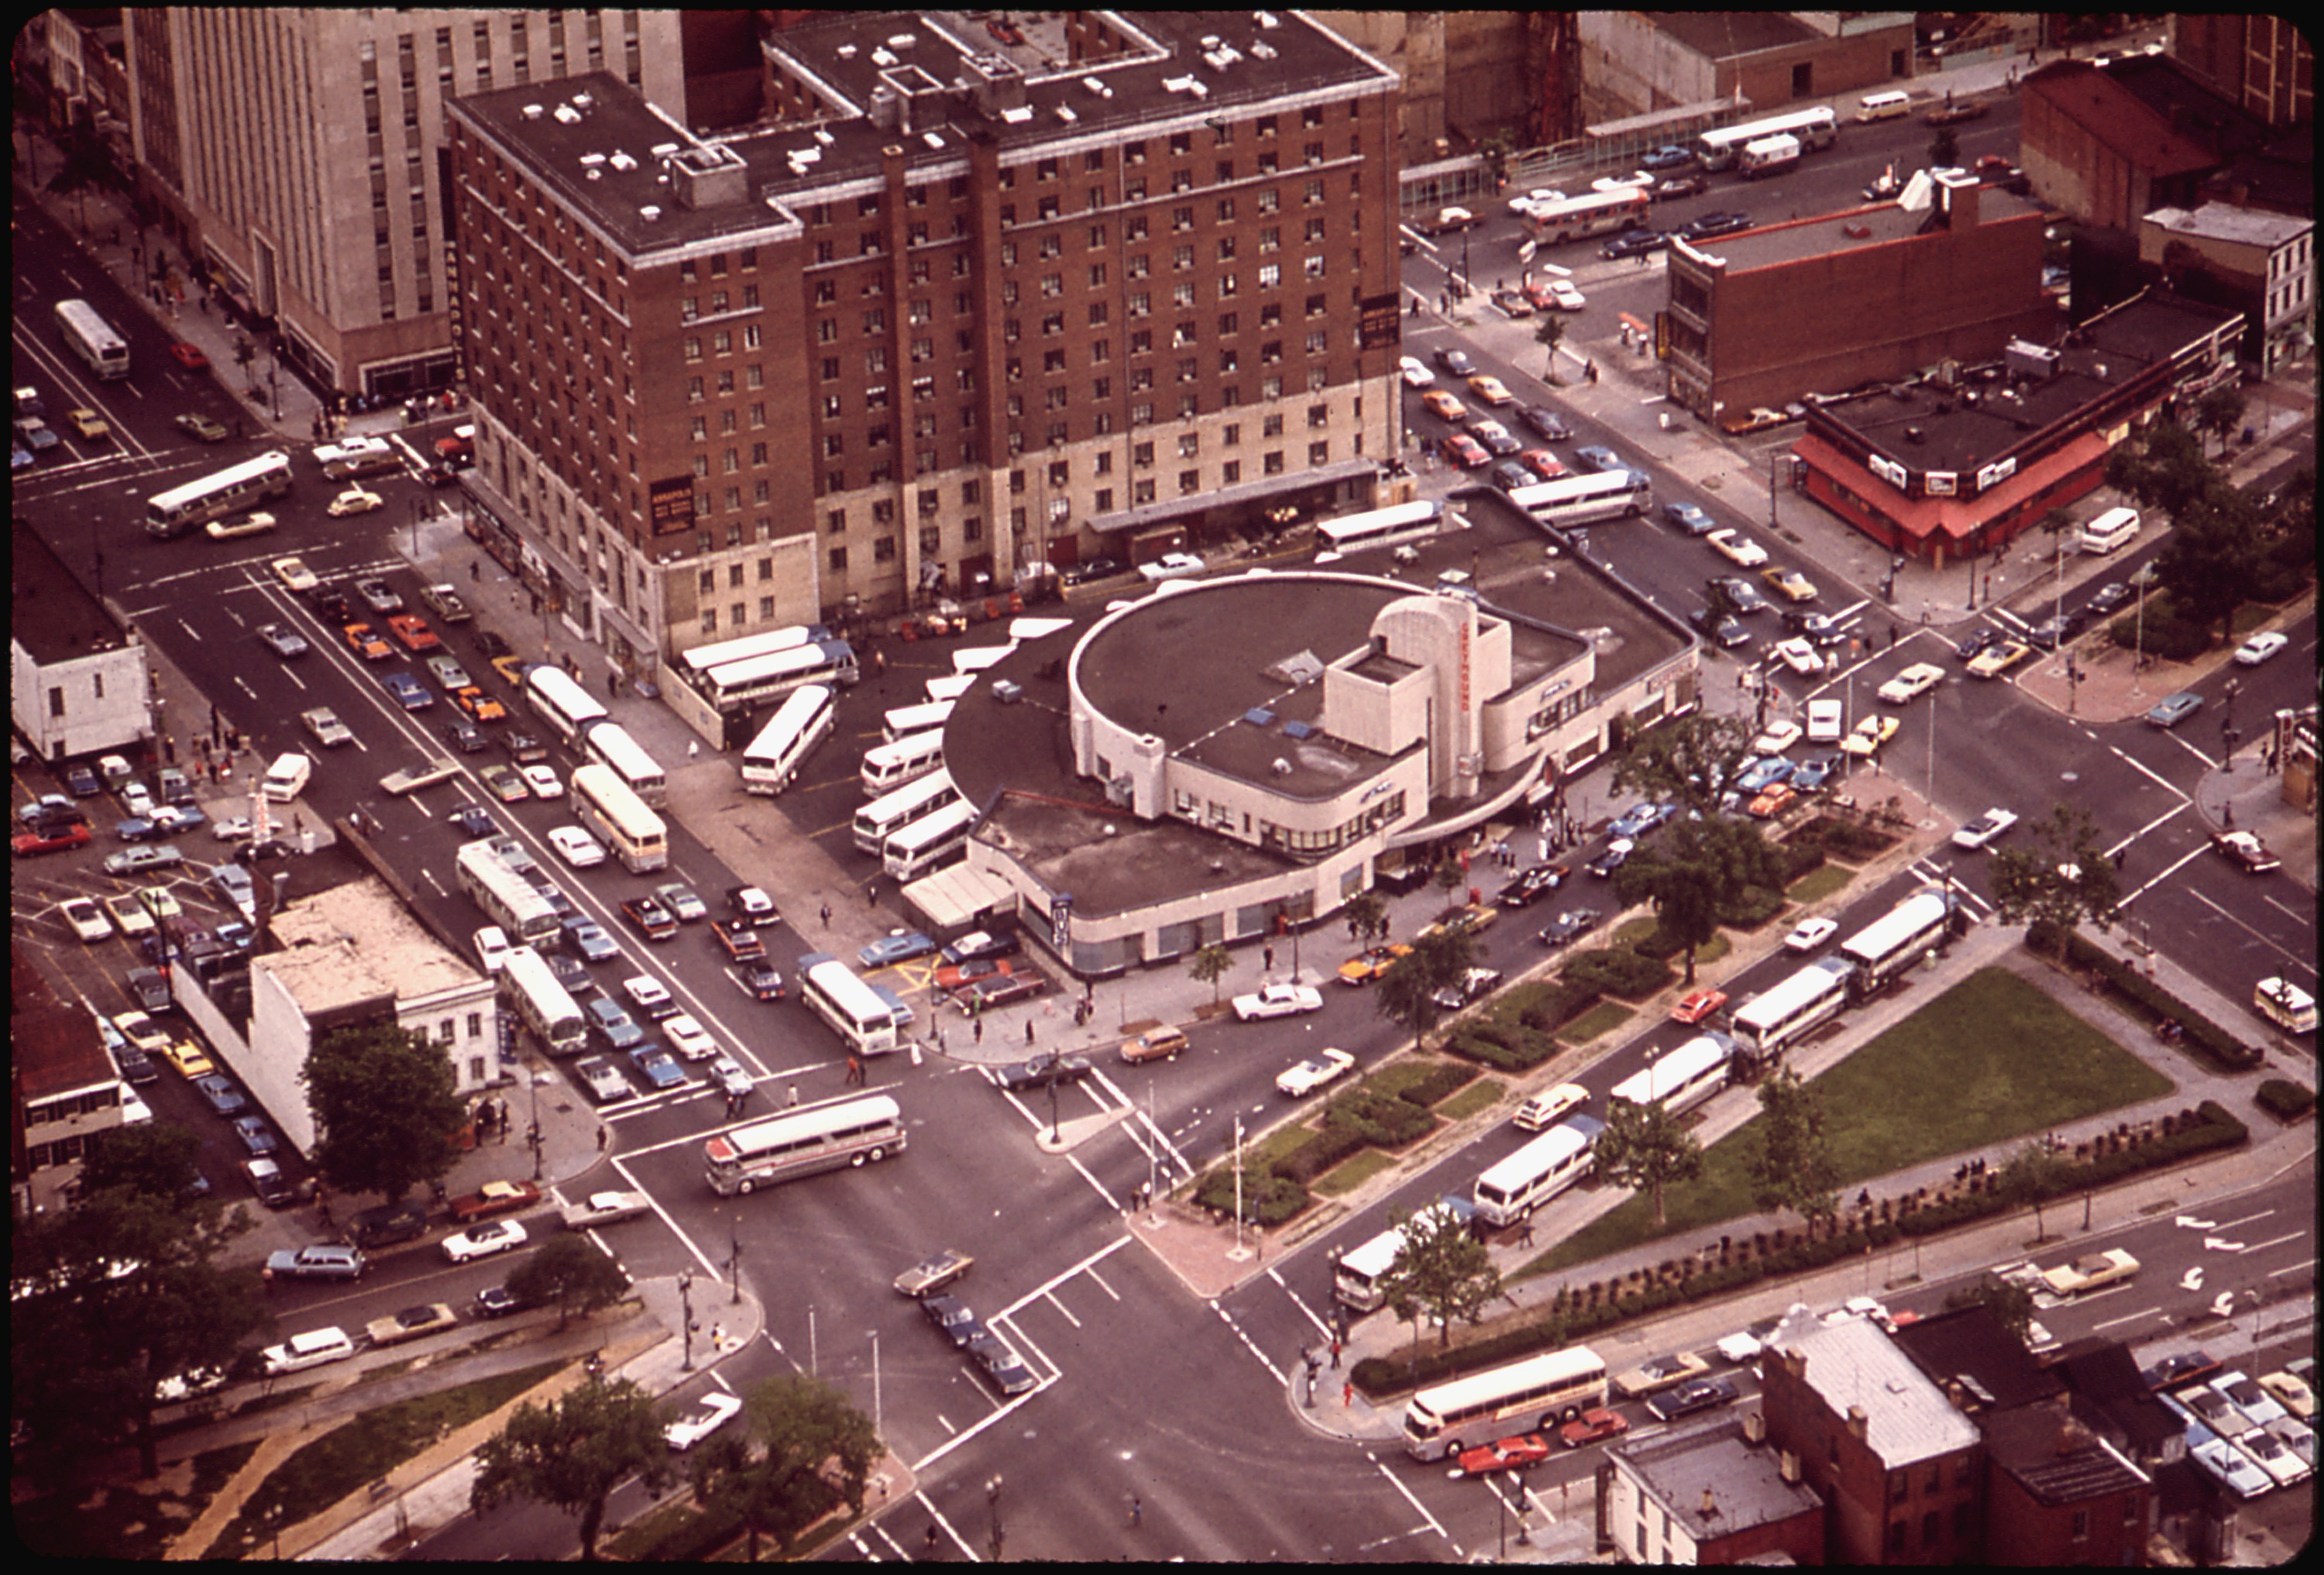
(1678,1080)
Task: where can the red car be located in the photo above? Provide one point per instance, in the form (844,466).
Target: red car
(51,839)
(1511,1455)
(1592,1426)
(190,356)
(953,975)
(1542,462)
(1466,452)
(1698,1006)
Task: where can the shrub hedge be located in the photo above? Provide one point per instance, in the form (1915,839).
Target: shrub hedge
(1753,906)
(2284,1099)
(1619,970)
(2204,1038)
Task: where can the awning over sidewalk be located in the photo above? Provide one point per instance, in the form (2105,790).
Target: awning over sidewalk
(957,897)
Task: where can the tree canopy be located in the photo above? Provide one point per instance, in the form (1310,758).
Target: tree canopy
(1441,1271)
(1688,760)
(570,1273)
(1405,994)
(573,1451)
(1698,870)
(386,1103)
(1792,1167)
(1644,1149)
(1211,964)
(2065,878)
(775,1477)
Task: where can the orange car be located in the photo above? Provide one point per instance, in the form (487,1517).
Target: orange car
(1698,1006)
(414,632)
(365,642)
(479,706)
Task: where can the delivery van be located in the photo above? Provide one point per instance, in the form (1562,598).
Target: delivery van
(1889,106)
(286,778)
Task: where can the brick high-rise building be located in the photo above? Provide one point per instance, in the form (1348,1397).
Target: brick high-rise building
(952,310)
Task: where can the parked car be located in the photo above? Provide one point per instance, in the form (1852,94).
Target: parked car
(302,1351)
(602,1079)
(934,1273)
(2259,647)
(323,1261)
(1546,422)
(1811,933)
(1041,1070)
(1592,1427)
(1531,885)
(1717,222)
(895,946)
(1696,1395)
(1635,243)
(1277,1000)
(1566,926)
(485,1240)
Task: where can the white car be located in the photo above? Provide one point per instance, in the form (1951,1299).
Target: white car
(602,1209)
(731,1080)
(689,1038)
(311,1349)
(485,1240)
(1827,720)
(576,846)
(1737,547)
(1912,683)
(1171,566)
(1630,182)
(1801,658)
(1811,933)
(234,828)
(1310,1075)
(2259,647)
(354,501)
(86,919)
(1564,297)
(649,995)
(493,947)
(706,1417)
(1277,1000)
(1416,373)
(1779,737)
(542,780)
(1984,828)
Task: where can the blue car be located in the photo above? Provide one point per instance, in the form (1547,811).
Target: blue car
(589,938)
(660,1067)
(2177,709)
(218,1089)
(1640,819)
(408,691)
(1763,774)
(895,946)
(1670,156)
(256,1137)
(1597,458)
(1813,772)
(621,1030)
(1689,518)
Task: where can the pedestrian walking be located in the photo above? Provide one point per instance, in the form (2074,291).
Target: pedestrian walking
(794,1089)
(1336,1352)
(1524,1238)
(475,570)
(1348,1393)
(1135,1510)
(854,1069)
(1028,1030)
(601,1139)
(976,1029)
(827,916)
(1267,958)
(693,747)
(940,1043)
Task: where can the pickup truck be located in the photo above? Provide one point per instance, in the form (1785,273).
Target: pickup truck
(2093,1273)
(493,1198)
(740,938)
(2247,850)
(602,1208)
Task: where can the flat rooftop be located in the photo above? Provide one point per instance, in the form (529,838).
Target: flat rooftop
(1715,1483)
(603,148)
(51,616)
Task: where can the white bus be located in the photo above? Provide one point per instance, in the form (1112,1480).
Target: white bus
(558,699)
(1681,1079)
(1537,1173)
(1591,212)
(634,833)
(699,660)
(889,766)
(356,455)
(609,744)
(950,686)
(890,813)
(905,721)
(1557,1386)
(1582,500)
(803,721)
(1389,526)
(236,487)
(928,842)
(545,1007)
(1907,933)
(507,898)
(1773,1018)
(93,339)
(780,1148)
(975,659)
(1812,128)
(1359,1278)
(738,686)
(854,1012)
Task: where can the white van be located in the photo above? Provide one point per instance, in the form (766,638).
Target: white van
(311,1349)
(1889,106)
(2109,529)
(286,778)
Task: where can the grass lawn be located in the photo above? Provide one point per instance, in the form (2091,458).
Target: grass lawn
(1353,1172)
(1820,882)
(364,1451)
(1991,1059)
(1481,1094)
(1602,1019)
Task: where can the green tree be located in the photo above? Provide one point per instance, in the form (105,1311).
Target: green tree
(1211,964)
(2216,554)
(1644,1148)
(1549,333)
(774,1479)
(1944,149)
(2220,413)
(128,1294)
(386,1103)
(2066,878)
(570,1272)
(1365,912)
(1441,1270)
(1449,875)
(1699,869)
(2166,470)
(160,1160)
(1689,761)
(1405,994)
(573,1451)
(2030,1175)
(2012,1304)
(1792,1167)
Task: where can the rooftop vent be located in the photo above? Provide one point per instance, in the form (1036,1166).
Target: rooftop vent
(1280,767)
(1298,730)
(1259,716)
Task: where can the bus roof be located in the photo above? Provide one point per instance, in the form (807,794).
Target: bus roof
(812,1121)
(1907,919)
(1674,1069)
(1779,1000)
(1547,1367)
(1542,1153)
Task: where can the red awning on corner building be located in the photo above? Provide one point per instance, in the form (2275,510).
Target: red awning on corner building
(2052,480)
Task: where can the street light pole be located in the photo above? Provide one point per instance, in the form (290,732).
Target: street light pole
(686,1319)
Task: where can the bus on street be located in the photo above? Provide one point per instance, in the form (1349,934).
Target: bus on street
(1771,1019)
(507,898)
(796,1143)
(609,744)
(545,1007)
(1813,129)
(1591,212)
(213,496)
(93,339)
(1583,499)
(635,833)
(1908,933)
(1530,1395)
(558,699)
(803,721)
(853,1011)
(1390,527)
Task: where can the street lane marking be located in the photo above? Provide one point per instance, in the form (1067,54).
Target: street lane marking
(2129,1318)
(1421,1509)
(2132,760)
(2275,1242)
(2289,958)
(2304,1266)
